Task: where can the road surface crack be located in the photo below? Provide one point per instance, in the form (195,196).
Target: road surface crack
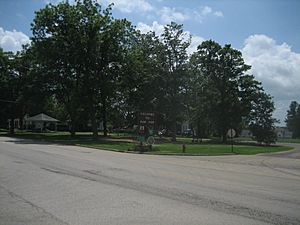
(186,197)
(277,169)
(32,205)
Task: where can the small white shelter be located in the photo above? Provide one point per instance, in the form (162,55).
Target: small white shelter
(40,122)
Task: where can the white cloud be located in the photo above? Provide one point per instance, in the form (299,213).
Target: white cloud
(156,27)
(159,29)
(195,42)
(277,67)
(168,15)
(129,6)
(204,12)
(12,40)
(218,14)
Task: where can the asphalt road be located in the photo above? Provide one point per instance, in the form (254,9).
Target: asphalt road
(53,184)
(295,153)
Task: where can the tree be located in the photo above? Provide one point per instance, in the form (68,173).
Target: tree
(221,72)
(293,119)
(154,75)
(13,82)
(57,38)
(198,101)
(8,83)
(72,45)
(141,87)
(34,96)
(82,47)
(22,90)
(117,40)
(175,43)
(261,122)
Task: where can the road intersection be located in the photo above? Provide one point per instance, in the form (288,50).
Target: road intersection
(43,183)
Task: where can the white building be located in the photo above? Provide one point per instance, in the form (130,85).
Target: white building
(246,133)
(40,122)
(283,132)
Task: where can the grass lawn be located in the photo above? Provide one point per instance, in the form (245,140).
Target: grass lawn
(117,143)
(81,139)
(289,140)
(216,149)
(109,145)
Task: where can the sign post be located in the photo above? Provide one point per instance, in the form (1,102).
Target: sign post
(146,127)
(231,133)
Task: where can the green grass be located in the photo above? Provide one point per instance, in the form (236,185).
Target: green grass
(289,140)
(118,143)
(216,149)
(115,146)
(81,139)
(187,140)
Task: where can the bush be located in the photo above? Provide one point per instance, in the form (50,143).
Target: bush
(264,135)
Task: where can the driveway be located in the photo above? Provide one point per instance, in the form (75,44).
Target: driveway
(42,183)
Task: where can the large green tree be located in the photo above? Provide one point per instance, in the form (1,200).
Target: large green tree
(57,37)
(261,122)
(34,95)
(9,81)
(199,100)
(224,91)
(80,44)
(293,119)
(117,42)
(22,89)
(175,62)
(141,86)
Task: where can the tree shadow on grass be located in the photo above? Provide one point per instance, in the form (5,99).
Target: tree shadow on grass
(43,139)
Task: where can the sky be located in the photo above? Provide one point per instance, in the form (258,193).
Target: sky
(267,32)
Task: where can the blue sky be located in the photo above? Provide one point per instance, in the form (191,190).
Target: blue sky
(266,31)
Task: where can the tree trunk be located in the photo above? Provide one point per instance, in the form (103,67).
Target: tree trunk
(73,129)
(73,132)
(12,120)
(94,124)
(12,125)
(21,123)
(94,128)
(104,118)
(199,131)
(224,136)
(174,129)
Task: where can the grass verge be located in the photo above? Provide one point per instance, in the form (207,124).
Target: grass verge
(216,149)
(114,143)
(289,140)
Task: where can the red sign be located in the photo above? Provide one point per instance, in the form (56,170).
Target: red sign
(146,121)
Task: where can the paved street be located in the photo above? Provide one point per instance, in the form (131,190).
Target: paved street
(52,184)
(295,153)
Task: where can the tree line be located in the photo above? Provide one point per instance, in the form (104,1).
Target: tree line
(85,65)
(293,119)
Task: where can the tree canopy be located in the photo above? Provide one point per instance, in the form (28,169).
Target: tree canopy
(293,119)
(87,67)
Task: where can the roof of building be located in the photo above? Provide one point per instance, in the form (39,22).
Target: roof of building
(42,117)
